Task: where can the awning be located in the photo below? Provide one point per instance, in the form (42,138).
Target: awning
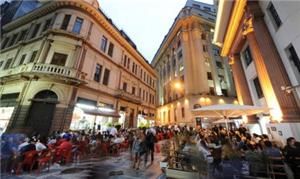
(98,112)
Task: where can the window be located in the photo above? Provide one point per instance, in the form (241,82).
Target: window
(13,40)
(35,30)
(98,71)
(274,15)
(77,25)
(22,59)
(211,90)
(7,64)
(209,76)
(181,67)
(221,78)
(182,112)
(106,76)
(294,57)
(65,22)
(22,35)
(124,86)
(103,43)
(196,6)
(140,92)
(125,60)
(133,65)
(204,47)
(4,43)
(258,88)
(178,43)
(128,62)
(59,59)
(47,24)
(219,64)
(203,36)
(111,49)
(224,92)
(179,55)
(169,117)
(33,55)
(207,8)
(247,56)
(133,90)
(175,115)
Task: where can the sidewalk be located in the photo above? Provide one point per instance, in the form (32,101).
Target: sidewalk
(105,167)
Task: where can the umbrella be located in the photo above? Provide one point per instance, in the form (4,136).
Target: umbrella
(226,111)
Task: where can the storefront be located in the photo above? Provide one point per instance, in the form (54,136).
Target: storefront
(5,115)
(91,115)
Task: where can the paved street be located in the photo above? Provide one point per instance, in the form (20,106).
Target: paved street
(104,167)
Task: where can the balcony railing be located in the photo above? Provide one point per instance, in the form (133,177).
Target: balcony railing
(59,70)
(49,69)
(128,96)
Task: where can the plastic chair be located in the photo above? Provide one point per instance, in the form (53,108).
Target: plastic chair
(44,159)
(29,161)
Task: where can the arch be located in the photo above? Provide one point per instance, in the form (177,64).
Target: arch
(46,94)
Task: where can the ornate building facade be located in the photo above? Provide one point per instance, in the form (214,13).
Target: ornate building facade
(189,68)
(260,39)
(64,63)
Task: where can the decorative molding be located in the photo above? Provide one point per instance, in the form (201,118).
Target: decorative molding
(248,26)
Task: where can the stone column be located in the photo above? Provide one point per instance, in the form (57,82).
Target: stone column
(198,70)
(241,85)
(269,66)
(44,52)
(186,55)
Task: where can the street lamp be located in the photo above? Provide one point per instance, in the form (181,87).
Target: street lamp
(289,89)
(177,85)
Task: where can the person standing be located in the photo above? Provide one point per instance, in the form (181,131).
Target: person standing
(150,141)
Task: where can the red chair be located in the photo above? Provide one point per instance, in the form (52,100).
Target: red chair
(45,159)
(30,158)
(105,148)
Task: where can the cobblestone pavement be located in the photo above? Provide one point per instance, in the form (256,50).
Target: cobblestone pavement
(117,167)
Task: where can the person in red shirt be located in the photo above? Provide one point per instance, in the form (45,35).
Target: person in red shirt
(65,146)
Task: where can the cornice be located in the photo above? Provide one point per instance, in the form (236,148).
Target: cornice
(90,10)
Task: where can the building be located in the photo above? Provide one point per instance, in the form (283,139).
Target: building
(189,69)
(64,63)
(263,43)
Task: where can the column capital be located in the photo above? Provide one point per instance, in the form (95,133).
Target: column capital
(248,25)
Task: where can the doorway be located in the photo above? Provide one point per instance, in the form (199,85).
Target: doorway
(41,112)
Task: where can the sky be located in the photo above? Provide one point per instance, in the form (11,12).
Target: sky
(146,22)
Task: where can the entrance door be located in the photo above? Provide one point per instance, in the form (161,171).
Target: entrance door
(131,117)
(41,112)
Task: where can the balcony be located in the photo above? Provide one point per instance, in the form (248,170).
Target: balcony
(62,72)
(129,97)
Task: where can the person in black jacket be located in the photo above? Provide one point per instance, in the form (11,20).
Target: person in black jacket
(150,141)
(292,152)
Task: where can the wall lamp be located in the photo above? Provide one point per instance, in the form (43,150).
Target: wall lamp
(289,89)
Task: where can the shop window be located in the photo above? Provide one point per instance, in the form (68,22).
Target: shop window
(258,88)
(106,76)
(65,22)
(59,59)
(77,25)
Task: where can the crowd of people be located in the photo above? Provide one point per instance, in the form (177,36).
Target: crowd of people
(237,152)
(224,151)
